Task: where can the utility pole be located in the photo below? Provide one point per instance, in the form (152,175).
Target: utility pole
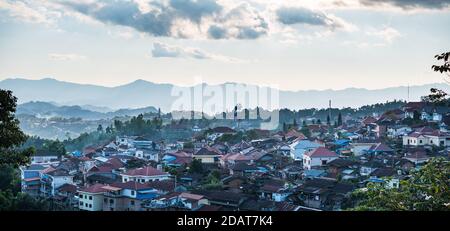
(329,109)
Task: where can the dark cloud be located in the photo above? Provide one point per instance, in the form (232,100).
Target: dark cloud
(194,9)
(240,22)
(300,15)
(410,4)
(217,32)
(127,13)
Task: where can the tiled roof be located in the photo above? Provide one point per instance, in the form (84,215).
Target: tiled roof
(96,188)
(380,148)
(68,188)
(321,152)
(207,150)
(223,130)
(145,171)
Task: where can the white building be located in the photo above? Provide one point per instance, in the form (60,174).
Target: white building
(91,198)
(300,147)
(318,157)
(144,174)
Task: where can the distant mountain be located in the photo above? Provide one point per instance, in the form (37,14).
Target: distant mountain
(49,110)
(141,93)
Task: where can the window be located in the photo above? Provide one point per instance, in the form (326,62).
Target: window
(90,205)
(132,192)
(131,202)
(111,201)
(105,200)
(81,203)
(90,197)
(324,162)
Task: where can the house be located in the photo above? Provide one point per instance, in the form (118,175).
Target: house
(51,179)
(228,200)
(318,157)
(177,159)
(31,179)
(398,131)
(243,169)
(367,168)
(43,157)
(232,159)
(144,174)
(417,156)
(361,147)
(91,197)
(300,147)
(385,175)
(142,143)
(130,196)
(380,148)
(147,154)
(324,194)
(208,155)
(434,113)
(178,200)
(68,195)
(427,137)
(274,190)
(341,167)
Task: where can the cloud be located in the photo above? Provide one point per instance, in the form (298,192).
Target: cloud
(162,50)
(66,57)
(301,15)
(410,4)
(178,18)
(28,12)
(388,34)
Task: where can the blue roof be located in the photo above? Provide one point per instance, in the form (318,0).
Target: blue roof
(306,144)
(341,142)
(376,180)
(77,153)
(313,173)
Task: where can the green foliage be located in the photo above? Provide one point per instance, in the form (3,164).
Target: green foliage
(437,97)
(305,130)
(21,202)
(196,166)
(11,136)
(9,179)
(188,145)
(213,181)
(135,163)
(426,190)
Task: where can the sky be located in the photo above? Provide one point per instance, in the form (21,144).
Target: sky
(292,45)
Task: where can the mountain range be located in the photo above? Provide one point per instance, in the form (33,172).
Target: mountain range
(100,100)
(49,110)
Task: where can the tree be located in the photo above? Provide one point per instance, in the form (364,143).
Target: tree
(426,190)
(196,166)
(258,113)
(11,136)
(339,123)
(437,97)
(100,128)
(12,156)
(445,67)
(135,163)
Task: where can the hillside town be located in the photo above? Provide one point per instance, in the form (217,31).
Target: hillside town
(232,165)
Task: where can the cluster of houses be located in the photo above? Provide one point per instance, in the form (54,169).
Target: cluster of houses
(279,171)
